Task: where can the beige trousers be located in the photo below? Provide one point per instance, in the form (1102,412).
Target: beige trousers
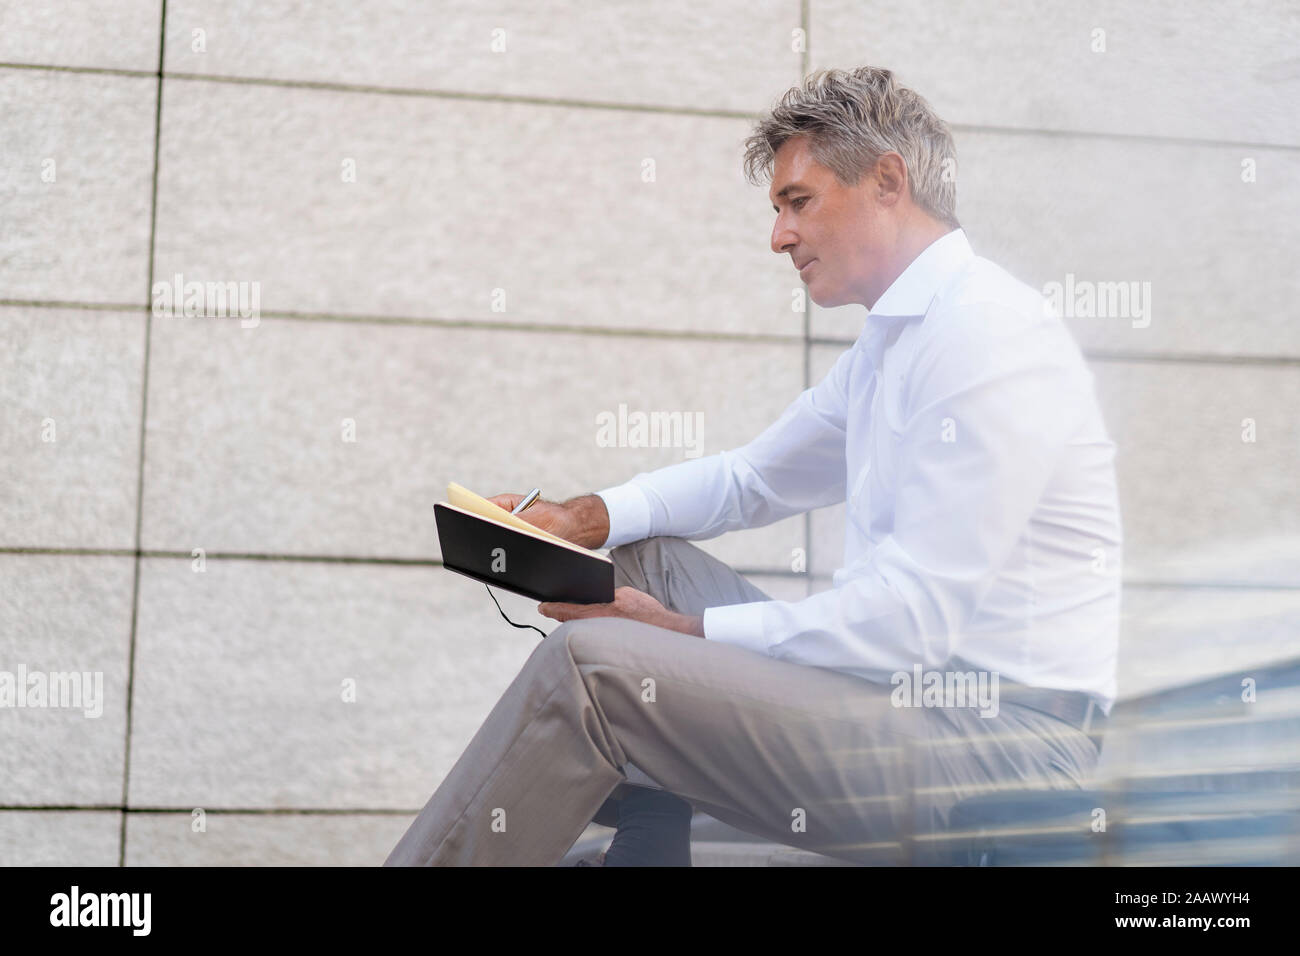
(804,756)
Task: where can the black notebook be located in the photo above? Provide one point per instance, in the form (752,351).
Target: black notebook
(485,542)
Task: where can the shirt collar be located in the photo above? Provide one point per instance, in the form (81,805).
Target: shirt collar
(911,293)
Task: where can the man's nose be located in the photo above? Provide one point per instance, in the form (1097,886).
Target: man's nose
(783,237)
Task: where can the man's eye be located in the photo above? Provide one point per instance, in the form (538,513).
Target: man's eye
(798,203)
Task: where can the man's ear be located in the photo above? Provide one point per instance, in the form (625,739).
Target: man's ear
(890,173)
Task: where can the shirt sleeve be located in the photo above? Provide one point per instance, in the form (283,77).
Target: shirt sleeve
(794,465)
(959,506)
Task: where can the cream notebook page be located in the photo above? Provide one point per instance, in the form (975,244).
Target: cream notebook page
(461,497)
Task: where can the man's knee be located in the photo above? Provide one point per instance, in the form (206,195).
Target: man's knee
(570,645)
(601,640)
(576,637)
(557,641)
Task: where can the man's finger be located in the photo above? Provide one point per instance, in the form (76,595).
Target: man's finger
(550,609)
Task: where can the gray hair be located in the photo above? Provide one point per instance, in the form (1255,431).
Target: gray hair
(851,119)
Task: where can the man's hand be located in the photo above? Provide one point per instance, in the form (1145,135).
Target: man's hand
(583,520)
(631,603)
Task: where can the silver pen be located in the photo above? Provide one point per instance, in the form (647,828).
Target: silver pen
(528,500)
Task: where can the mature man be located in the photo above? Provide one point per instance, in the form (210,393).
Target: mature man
(982,539)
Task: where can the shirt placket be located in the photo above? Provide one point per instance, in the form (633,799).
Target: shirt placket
(859,500)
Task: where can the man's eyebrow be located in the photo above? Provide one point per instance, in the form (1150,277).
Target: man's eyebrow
(788,189)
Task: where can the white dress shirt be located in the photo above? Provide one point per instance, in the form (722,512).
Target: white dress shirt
(983,524)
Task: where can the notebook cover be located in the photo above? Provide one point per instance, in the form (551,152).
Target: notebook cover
(533,566)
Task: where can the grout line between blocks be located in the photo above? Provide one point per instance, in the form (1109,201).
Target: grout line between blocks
(144,418)
(806,339)
(570,103)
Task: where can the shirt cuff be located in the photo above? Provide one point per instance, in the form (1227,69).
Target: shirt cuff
(739,624)
(629,514)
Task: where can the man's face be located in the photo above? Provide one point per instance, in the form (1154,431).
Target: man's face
(840,235)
